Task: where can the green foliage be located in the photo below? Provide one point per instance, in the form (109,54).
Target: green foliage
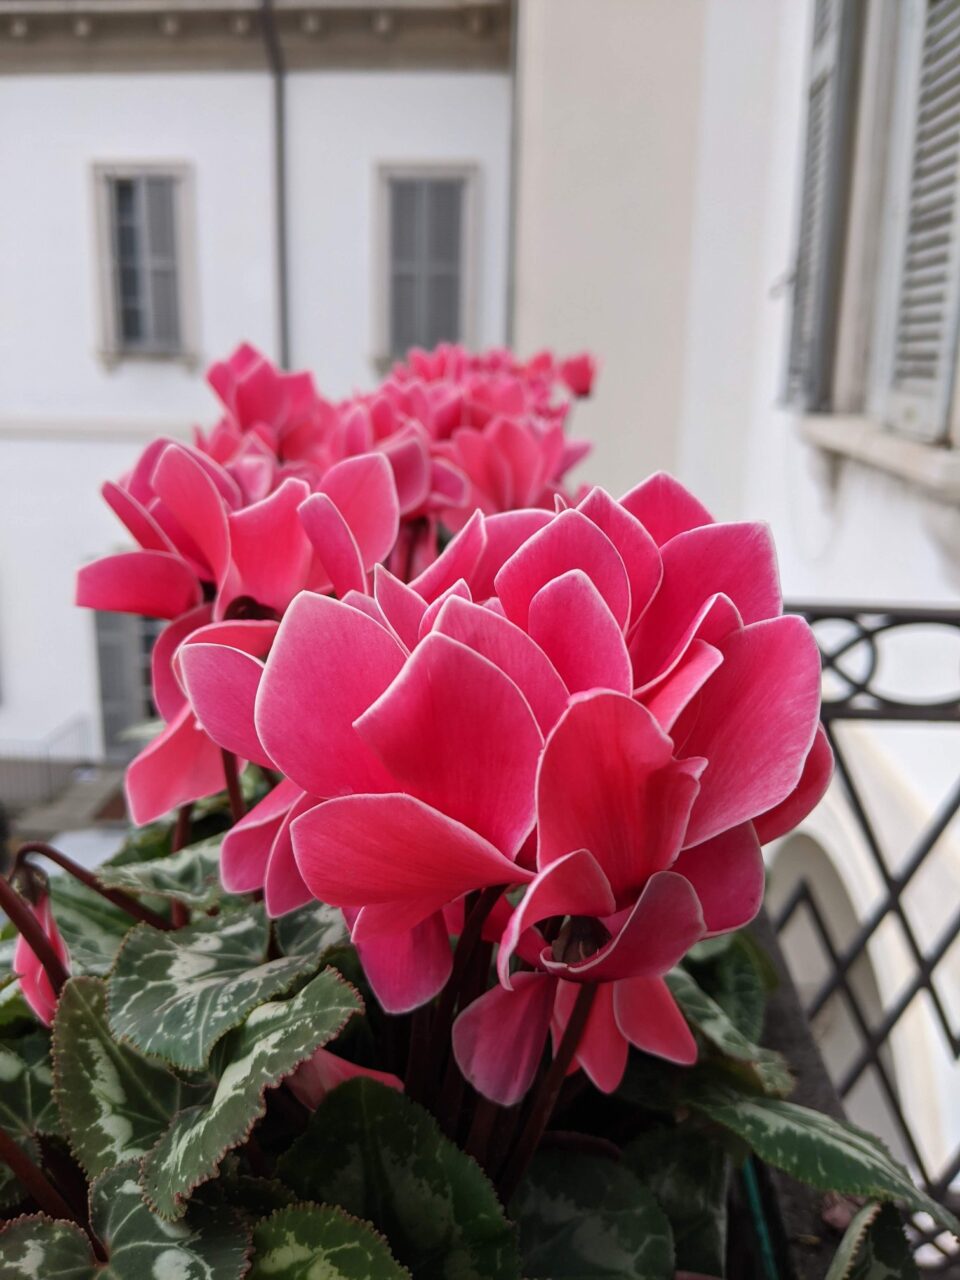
(689,1176)
(190,876)
(175,994)
(114,1103)
(583,1218)
(26,1102)
(211,1246)
(92,928)
(382,1157)
(320,1242)
(817,1149)
(874,1248)
(311,931)
(272,1043)
(739,980)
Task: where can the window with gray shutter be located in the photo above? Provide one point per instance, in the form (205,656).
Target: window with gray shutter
(426,261)
(124,646)
(927,316)
(144,264)
(831,106)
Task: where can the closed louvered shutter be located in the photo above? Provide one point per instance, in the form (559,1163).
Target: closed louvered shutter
(924,349)
(426,262)
(145,263)
(824,190)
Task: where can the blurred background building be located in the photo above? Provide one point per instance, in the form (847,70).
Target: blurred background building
(747,208)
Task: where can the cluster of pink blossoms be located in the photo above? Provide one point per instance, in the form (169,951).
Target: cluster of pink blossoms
(291,492)
(589,718)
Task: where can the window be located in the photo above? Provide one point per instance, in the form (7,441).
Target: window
(426,279)
(124,647)
(876,300)
(144,241)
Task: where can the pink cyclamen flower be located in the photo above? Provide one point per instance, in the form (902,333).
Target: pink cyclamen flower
(313,1079)
(34,983)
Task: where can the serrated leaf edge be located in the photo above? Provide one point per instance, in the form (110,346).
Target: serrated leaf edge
(350,1217)
(863,1220)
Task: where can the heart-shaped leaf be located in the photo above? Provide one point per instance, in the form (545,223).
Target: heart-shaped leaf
(190,876)
(174,994)
(583,1218)
(318,1240)
(383,1158)
(271,1044)
(92,928)
(210,1245)
(26,1101)
(114,1103)
(817,1149)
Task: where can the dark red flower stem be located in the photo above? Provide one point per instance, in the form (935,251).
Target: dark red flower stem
(32,932)
(548,1091)
(418,1054)
(34,1180)
(136,910)
(476,917)
(485,1117)
(237,807)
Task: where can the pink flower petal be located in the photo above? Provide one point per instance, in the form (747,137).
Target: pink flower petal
(458,560)
(569,541)
(570,621)
(637,548)
(246,846)
(34,983)
(328,663)
(506,531)
(608,783)
(457,733)
(656,934)
(809,791)
(459,591)
(409,460)
(365,493)
(392,849)
(334,544)
(252,635)
(406,970)
(156,584)
(667,698)
(519,1018)
(269,551)
(755,723)
(183,484)
(136,518)
(510,649)
(603,1048)
(168,696)
(665,508)
(573,885)
(313,1079)
(222,685)
(283,886)
(648,1016)
(401,606)
(727,873)
(180,765)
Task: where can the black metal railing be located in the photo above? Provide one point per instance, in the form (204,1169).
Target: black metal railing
(854,641)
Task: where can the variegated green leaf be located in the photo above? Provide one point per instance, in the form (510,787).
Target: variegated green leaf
(382,1157)
(190,876)
(175,994)
(114,1103)
(817,1149)
(142,844)
(272,1043)
(583,1218)
(92,928)
(874,1248)
(312,930)
(320,1242)
(211,1245)
(15,1014)
(26,1101)
(768,1067)
(738,981)
(689,1175)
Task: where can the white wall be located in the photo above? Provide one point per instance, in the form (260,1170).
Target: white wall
(342,125)
(55,128)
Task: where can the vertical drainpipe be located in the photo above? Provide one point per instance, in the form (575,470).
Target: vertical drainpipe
(274,53)
(513,176)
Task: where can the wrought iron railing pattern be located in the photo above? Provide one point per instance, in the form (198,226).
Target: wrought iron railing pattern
(852,642)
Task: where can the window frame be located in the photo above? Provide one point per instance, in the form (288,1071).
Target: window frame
(467,172)
(111,348)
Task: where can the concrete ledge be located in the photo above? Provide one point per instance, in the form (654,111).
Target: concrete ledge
(933,468)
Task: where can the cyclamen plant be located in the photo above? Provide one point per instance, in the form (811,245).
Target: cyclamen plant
(446,846)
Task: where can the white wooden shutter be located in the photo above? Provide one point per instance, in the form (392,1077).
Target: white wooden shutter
(160,243)
(927,309)
(824,191)
(426,262)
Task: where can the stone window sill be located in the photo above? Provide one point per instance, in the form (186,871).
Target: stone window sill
(931,468)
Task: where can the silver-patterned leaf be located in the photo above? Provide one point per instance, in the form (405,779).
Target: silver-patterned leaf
(92,928)
(26,1101)
(190,876)
(585,1218)
(320,1242)
(874,1247)
(817,1149)
(381,1157)
(113,1102)
(175,994)
(272,1043)
(37,1248)
(312,930)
